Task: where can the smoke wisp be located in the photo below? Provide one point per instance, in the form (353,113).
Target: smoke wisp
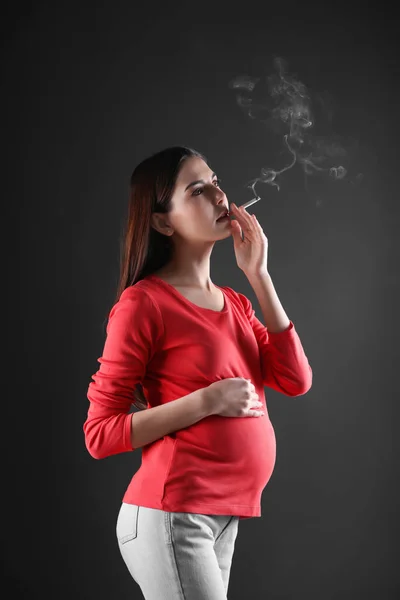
(284,104)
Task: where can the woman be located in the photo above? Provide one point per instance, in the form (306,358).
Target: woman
(202,359)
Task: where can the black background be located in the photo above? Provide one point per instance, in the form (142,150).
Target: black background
(88,92)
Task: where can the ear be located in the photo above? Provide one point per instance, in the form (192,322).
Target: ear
(157,221)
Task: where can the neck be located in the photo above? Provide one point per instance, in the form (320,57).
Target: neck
(192,279)
(190,267)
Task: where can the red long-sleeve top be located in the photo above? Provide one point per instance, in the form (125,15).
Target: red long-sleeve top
(159,338)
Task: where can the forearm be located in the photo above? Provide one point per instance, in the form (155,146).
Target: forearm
(275,318)
(153,423)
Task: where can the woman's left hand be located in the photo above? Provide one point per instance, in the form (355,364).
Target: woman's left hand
(251,252)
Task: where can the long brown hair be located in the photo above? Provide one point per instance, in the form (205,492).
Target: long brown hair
(143,250)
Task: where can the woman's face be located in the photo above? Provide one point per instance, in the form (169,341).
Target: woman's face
(197,202)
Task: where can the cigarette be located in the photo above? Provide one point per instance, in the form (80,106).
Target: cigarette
(250,202)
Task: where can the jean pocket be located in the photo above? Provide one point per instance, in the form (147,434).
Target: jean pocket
(127,522)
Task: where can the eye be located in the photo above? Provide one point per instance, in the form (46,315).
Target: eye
(197,191)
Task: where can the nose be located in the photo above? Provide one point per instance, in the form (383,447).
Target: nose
(220,195)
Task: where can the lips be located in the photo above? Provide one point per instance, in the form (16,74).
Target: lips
(225,213)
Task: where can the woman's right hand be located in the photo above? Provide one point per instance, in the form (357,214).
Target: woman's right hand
(233,397)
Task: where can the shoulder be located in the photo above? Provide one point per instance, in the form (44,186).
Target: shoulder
(139,290)
(239,299)
(135,298)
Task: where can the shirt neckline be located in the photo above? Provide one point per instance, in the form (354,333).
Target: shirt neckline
(187,301)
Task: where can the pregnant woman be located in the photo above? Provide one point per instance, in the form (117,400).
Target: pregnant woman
(193,359)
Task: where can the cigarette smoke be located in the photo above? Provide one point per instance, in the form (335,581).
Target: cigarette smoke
(284,104)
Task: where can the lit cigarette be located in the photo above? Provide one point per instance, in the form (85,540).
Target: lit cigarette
(250,202)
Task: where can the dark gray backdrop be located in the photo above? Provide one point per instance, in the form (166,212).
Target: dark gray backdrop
(88,92)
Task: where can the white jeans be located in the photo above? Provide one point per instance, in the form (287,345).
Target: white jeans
(177,555)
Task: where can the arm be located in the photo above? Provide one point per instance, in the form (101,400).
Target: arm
(276,320)
(134,332)
(285,365)
(152,424)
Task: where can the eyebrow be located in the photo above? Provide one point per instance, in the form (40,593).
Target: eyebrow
(198,181)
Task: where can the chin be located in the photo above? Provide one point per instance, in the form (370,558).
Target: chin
(225,234)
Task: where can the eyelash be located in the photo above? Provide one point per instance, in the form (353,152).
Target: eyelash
(217,181)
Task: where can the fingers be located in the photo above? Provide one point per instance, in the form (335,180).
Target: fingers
(239,211)
(242,215)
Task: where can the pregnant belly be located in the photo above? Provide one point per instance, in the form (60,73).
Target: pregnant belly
(231,440)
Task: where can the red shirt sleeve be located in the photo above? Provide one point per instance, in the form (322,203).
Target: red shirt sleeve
(284,364)
(133,331)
